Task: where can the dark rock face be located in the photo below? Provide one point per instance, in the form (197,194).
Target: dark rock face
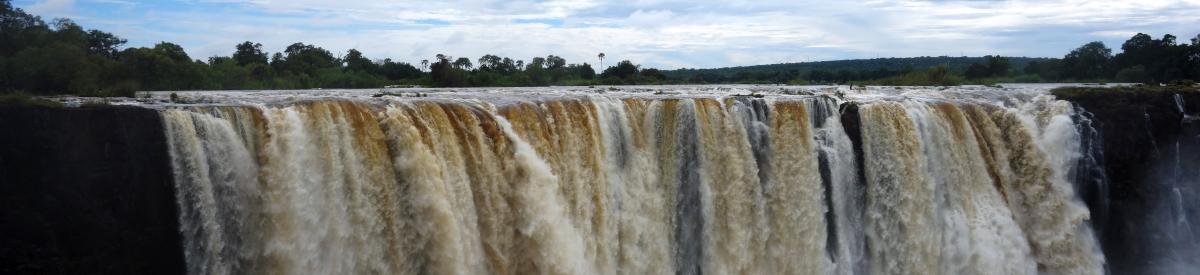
(851,123)
(1152,159)
(86,191)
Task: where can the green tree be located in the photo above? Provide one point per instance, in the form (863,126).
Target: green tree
(508,66)
(55,69)
(845,76)
(444,73)
(18,29)
(104,44)
(1135,74)
(397,71)
(652,74)
(1090,61)
(555,62)
(625,70)
(939,75)
(536,71)
(997,65)
(1048,70)
(277,61)
(1033,67)
(66,31)
(583,71)
(172,51)
(306,60)
(249,53)
(164,67)
(556,67)
(462,63)
(1193,58)
(355,62)
(226,74)
(1164,60)
(977,71)
(489,63)
(601,56)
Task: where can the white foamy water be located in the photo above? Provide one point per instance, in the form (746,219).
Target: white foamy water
(631,180)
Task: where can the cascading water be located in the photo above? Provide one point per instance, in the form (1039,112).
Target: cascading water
(1174,246)
(1091,182)
(699,182)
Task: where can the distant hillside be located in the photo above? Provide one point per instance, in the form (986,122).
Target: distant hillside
(956,64)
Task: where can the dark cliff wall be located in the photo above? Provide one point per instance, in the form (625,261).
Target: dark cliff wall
(86,191)
(852,124)
(1148,149)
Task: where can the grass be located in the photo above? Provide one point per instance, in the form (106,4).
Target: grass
(19,98)
(1078,92)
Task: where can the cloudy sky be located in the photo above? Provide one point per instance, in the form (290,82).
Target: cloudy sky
(658,33)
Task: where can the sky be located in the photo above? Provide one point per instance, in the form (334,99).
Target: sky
(665,34)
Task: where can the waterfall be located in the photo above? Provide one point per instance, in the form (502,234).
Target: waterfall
(1174,246)
(217,190)
(631,184)
(843,194)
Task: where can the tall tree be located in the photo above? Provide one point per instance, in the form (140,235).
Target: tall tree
(623,70)
(17,28)
(104,44)
(444,73)
(164,67)
(308,59)
(397,71)
(976,71)
(490,63)
(554,62)
(997,65)
(653,74)
(536,71)
(583,71)
(249,53)
(173,51)
(355,62)
(1162,60)
(601,56)
(1090,61)
(462,63)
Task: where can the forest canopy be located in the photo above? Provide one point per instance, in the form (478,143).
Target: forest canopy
(62,57)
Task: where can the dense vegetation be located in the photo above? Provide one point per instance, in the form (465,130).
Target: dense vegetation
(61,57)
(1114,97)
(838,71)
(1142,60)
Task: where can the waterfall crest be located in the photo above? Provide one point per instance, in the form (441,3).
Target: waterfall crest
(599,184)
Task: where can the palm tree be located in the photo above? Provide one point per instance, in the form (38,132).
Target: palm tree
(424,63)
(601,61)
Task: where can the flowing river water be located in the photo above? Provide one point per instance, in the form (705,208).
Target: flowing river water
(634,180)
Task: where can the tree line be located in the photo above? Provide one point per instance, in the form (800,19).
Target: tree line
(1143,60)
(62,57)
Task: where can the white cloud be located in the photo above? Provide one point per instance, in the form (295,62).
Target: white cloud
(1118,34)
(664,33)
(51,7)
